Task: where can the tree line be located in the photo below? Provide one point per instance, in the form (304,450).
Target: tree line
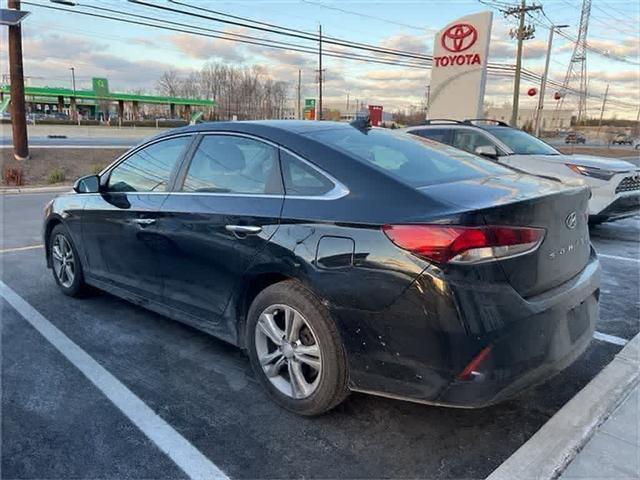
(246,93)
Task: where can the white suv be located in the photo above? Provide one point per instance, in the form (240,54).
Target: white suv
(615,184)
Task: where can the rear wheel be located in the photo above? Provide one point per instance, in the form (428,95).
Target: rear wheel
(295,349)
(67,270)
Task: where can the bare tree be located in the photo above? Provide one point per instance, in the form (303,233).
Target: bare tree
(169,83)
(243,92)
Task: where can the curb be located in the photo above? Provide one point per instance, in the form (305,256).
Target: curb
(16,190)
(548,452)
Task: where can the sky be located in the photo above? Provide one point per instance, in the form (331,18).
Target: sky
(133,57)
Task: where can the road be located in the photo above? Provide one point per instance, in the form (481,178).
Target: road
(57,424)
(37,141)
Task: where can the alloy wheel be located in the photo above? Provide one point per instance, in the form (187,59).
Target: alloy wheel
(288,351)
(63,259)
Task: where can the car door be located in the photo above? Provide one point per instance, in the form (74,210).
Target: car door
(227,209)
(119,224)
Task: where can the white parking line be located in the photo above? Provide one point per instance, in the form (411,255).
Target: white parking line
(174,445)
(616,257)
(610,338)
(20,249)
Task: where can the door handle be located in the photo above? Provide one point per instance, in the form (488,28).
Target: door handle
(243,229)
(144,221)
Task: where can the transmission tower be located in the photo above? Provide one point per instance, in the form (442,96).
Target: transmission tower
(577,71)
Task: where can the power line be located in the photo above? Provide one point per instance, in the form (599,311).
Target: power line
(265,42)
(362,15)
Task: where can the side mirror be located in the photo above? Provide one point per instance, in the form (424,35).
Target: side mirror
(88,184)
(488,151)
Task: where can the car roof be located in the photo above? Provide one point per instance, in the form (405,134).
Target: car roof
(452,124)
(256,126)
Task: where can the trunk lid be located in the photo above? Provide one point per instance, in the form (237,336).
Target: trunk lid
(525,201)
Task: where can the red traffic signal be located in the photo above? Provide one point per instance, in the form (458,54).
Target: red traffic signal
(557,96)
(532,92)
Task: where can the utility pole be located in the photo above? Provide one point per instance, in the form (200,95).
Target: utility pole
(523,33)
(16,73)
(543,82)
(320,72)
(347,109)
(299,94)
(604,101)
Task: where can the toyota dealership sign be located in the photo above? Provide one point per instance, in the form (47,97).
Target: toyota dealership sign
(459,70)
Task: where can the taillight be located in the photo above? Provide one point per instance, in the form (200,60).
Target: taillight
(456,244)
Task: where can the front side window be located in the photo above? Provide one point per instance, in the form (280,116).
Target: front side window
(233,164)
(468,140)
(413,160)
(522,143)
(301,179)
(149,169)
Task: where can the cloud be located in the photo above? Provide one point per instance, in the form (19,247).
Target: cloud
(203,48)
(49,56)
(408,42)
(505,50)
(397,75)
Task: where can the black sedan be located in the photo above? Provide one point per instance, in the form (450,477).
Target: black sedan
(341,258)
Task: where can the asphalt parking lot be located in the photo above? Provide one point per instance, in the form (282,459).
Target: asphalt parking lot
(58,424)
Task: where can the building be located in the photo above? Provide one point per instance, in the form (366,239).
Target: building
(526,116)
(100,103)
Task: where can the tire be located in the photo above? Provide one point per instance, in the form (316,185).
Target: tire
(71,284)
(323,387)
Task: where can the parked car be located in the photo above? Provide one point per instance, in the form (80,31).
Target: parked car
(341,258)
(622,139)
(614,184)
(636,144)
(575,137)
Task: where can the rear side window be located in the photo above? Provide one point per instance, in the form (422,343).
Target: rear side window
(442,135)
(409,158)
(149,169)
(302,179)
(233,164)
(468,140)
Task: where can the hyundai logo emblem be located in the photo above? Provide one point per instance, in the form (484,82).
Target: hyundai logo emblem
(571,221)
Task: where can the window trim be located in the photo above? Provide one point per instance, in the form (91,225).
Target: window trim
(338,190)
(105,174)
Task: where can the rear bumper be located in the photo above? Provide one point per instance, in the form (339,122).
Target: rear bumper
(530,339)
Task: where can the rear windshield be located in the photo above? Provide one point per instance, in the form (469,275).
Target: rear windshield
(414,160)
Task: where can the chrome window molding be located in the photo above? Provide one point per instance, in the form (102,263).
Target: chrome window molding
(137,148)
(338,191)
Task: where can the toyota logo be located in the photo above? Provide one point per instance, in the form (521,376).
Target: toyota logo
(571,221)
(459,37)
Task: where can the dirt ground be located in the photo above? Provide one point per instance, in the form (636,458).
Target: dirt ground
(73,162)
(47,162)
(599,151)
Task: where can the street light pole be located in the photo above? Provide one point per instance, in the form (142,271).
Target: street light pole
(73,80)
(543,81)
(16,73)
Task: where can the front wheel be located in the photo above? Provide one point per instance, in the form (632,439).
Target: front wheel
(67,270)
(295,349)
